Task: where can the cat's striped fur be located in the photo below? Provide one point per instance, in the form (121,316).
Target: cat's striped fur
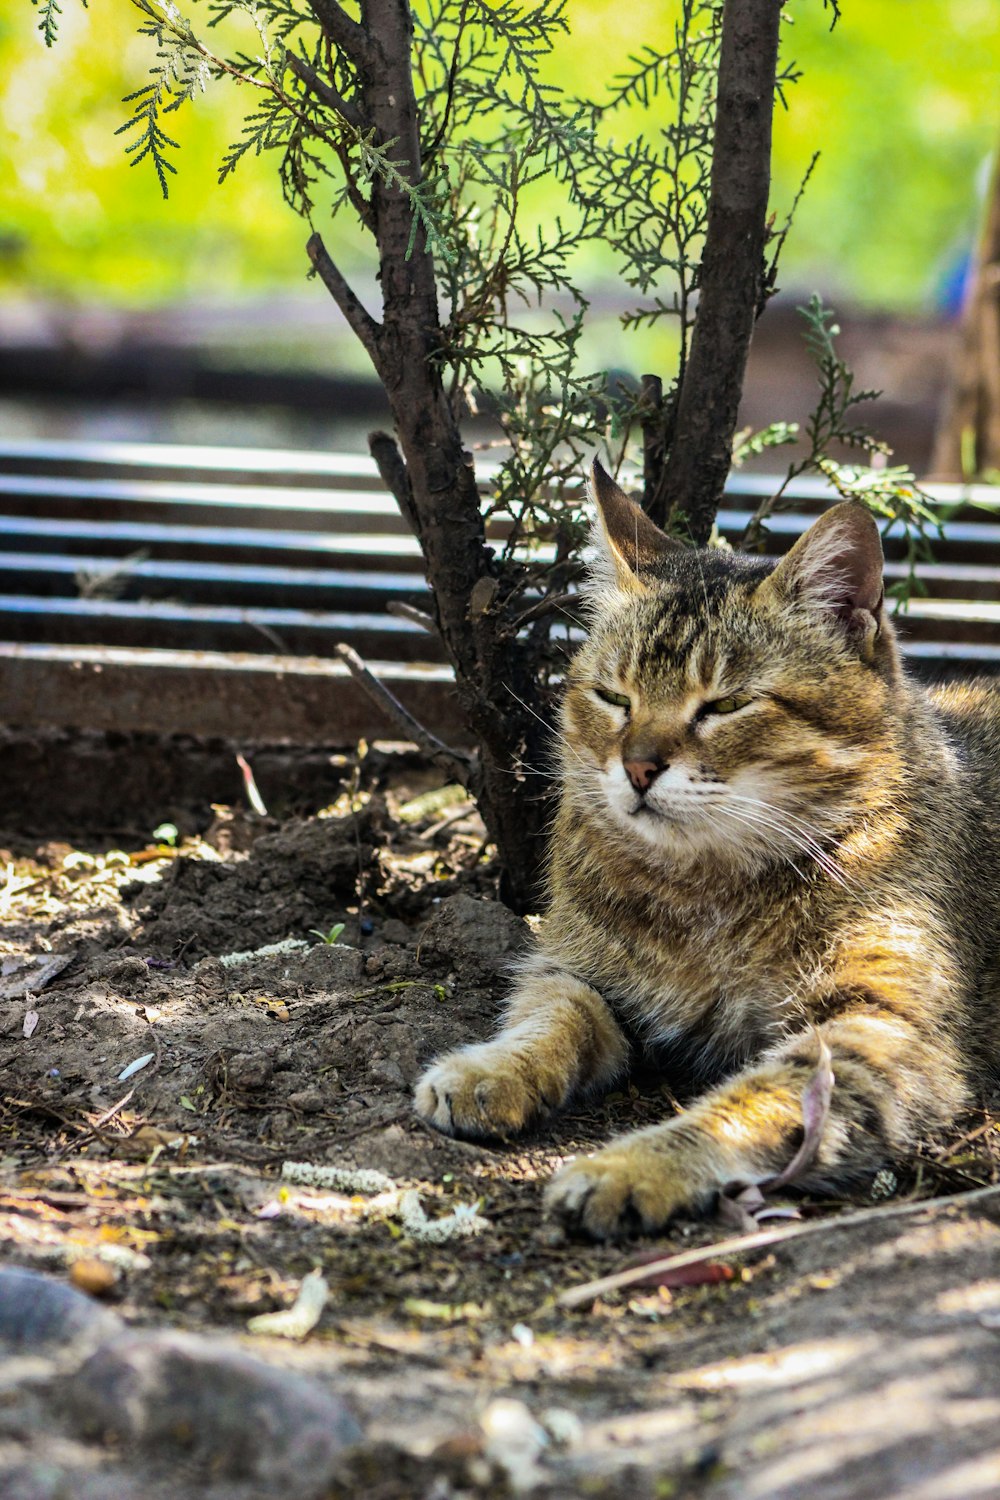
(779,838)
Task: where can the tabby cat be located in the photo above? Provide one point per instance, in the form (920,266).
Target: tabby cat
(767,836)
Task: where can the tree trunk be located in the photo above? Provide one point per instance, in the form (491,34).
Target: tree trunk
(438,491)
(731,283)
(968,437)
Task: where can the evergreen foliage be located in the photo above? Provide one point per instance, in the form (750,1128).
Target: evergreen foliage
(491,127)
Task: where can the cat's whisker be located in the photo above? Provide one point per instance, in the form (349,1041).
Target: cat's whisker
(787,821)
(783,812)
(754,816)
(547,725)
(523,765)
(808,846)
(741,817)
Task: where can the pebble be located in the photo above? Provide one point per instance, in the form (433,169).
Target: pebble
(39,1314)
(307,1101)
(514,1441)
(248,1071)
(234,1415)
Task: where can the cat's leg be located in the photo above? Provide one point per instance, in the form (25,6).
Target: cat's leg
(893,1084)
(558,1038)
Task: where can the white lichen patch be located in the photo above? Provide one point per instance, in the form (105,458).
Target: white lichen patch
(269,950)
(338,1179)
(461,1222)
(389,1201)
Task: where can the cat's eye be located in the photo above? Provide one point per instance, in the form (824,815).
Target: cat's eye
(728,705)
(618,700)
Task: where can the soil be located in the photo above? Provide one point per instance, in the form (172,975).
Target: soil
(858,1360)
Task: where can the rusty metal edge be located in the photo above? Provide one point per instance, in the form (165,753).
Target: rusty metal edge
(279,699)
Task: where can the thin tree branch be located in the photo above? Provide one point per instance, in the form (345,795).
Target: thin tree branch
(361,321)
(415,616)
(654,499)
(452,75)
(547,606)
(350,36)
(454,762)
(395,476)
(325,92)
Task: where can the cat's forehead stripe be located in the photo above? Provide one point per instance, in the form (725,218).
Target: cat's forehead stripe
(681,633)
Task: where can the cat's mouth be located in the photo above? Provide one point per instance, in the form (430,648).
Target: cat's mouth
(676,809)
(661,814)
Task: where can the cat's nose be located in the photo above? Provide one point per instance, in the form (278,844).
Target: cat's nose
(642,773)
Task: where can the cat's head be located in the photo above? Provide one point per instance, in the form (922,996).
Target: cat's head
(725,708)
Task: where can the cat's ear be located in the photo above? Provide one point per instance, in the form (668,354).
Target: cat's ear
(628,543)
(835,571)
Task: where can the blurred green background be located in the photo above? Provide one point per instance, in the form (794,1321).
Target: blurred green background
(901,98)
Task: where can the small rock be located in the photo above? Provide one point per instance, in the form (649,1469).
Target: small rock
(96,1277)
(127,973)
(249,1071)
(395,931)
(387,1070)
(239,1417)
(514,1441)
(307,1101)
(563,1425)
(38,1313)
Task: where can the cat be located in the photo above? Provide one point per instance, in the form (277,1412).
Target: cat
(768,839)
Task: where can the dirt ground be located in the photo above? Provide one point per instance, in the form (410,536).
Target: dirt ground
(859,1359)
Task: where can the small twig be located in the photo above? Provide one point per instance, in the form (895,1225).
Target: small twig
(360,319)
(400,1117)
(443,823)
(549,605)
(450,96)
(109,1114)
(589,1291)
(410,612)
(395,476)
(768,287)
(325,91)
(97,1127)
(454,762)
(946,1151)
(654,501)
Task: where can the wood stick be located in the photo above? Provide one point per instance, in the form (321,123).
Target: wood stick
(588,1291)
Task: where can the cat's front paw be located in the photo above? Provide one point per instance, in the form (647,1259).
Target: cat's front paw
(479,1092)
(618,1191)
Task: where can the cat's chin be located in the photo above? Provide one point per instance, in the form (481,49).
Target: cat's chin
(685,832)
